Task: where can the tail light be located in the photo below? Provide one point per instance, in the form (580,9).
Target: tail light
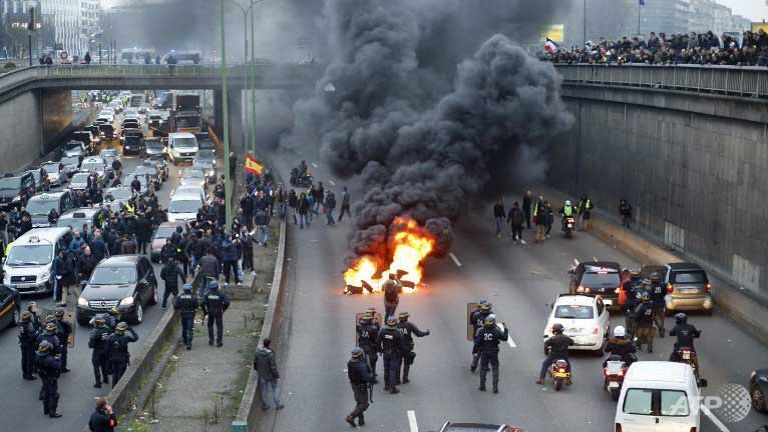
(595,330)
(582,289)
(670,288)
(618,289)
(561,370)
(621,372)
(618,427)
(709,287)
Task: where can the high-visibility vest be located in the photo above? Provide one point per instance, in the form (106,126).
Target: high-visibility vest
(536,209)
(568,211)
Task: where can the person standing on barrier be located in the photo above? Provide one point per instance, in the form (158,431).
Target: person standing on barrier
(214,304)
(360,378)
(117,350)
(187,305)
(98,343)
(265,365)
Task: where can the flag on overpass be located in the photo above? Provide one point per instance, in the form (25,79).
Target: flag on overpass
(252,165)
(551,46)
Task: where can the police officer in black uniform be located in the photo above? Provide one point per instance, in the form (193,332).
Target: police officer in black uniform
(645,314)
(214,304)
(117,350)
(28,334)
(360,377)
(407,329)
(367,336)
(658,292)
(64,329)
(48,335)
(98,343)
(487,341)
(389,344)
(187,305)
(48,367)
(477,318)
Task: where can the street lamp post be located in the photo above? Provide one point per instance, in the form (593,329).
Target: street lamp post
(252,72)
(225,120)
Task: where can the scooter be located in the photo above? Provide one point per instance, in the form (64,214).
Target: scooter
(560,372)
(614,371)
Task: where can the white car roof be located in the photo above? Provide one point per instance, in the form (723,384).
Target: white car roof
(180,135)
(579,300)
(658,371)
(48,234)
(48,195)
(93,159)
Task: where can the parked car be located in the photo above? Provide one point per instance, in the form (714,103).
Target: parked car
(126,282)
(159,162)
(688,288)
(39,206)
(27,267)
(97,164)
(478,427)
(75,218)
(85,137)
(41,178)
(16,190)
(74,149)
(55,172)
(10,307)
(154,147)
(79,182)
(133,143)
(71,165)
(118,196)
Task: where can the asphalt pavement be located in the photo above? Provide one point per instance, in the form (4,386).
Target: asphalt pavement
(520,281)
(21,410)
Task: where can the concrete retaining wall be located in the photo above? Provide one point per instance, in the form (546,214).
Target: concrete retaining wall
(694,174)
(21,137)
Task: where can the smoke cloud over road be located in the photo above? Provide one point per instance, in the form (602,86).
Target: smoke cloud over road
(427,137)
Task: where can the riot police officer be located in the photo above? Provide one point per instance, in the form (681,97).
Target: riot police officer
(634,288)
(658,294)
(214,304)
(389,344)
(49,334)
(487,341)
(48,367)
(117,350)
(28,334)
(477,318)
(407,329)
(367,336)
(360,378)
(187,305)
(645,314)
(64,329)
(98,343)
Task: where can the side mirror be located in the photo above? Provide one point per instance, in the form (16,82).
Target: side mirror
(702,382)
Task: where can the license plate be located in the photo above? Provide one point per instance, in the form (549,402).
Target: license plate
(574,331)
(689,290)
(23,286)
(570,225)
(613,384)
(687,355)
(608,302)
(560,375)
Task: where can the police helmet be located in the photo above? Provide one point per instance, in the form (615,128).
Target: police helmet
(365,319)
(558,329)
(99,320)
(391,320)
(186,287)
(567,202)
(655,276)
(213,285)
(681,318)
(121,327)
(44,348)
(403,316)
(371,310)
(485,307)
(114,310)
(646,297)
(490,320)
(50,328)
(59,312)
(357,352)
(26,316)
(619,331)
(50,318)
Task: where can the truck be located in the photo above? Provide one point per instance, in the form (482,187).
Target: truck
(185,114)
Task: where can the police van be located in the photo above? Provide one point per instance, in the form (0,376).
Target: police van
(27,266)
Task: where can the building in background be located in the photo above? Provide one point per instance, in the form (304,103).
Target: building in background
(664,16)
(14,16)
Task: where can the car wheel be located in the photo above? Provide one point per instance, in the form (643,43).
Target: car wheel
(155,297)
(758,399)
(138,316)
(82,321)
(16,317)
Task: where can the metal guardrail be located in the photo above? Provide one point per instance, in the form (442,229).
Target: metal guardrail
(728,80)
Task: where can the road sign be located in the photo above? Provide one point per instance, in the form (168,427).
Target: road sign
(64,55)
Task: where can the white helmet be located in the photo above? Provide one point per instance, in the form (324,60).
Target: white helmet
(567,202)
(619,331)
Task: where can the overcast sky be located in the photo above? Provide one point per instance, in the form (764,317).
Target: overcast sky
(756,10)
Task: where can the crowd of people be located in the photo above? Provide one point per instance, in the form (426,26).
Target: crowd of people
(539,212)
(662,49)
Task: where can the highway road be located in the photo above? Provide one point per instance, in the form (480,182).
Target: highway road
(21,410)
(520,281)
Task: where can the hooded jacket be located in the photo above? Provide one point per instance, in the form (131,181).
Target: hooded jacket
(265,365)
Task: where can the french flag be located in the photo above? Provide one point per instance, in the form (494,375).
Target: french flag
(551,46)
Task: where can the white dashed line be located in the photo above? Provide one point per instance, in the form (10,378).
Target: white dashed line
(594,259)
(412,421)
(455,260)
(714,419)
(331,182)
(314,164)
(510,341)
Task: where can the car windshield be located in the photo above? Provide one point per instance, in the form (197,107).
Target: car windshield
(206,154)
(80,178)
(574,312)
(120,193)
(206,144)
(108,152)
(202,163)
(153,145)
(105,113)
(73,146)
(42,206)
(96,166)
(144,169)
(193,173)
(30,255)
(696,276)
(70,161)
(165,232)
(51,168)
(132,139)
(184,206)
(10,183)
(600,279)
(113,276)
(185,142)
(188,122)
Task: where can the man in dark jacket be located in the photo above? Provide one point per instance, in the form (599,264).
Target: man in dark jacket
(360,378)
(527,208)
(487,339)
(229,261)
(171,274)
(557,345)
(143,232)
(498,216)
(85,265)
(117,350)
(344,204)
(98,342)
(28,334)
(621,346)
(329,205)
(103,419)
(408,330)
(187,305)
(209,268)
(390,341)
(128,246)
(516,218)
(214,304)
(269,378)
(48,367)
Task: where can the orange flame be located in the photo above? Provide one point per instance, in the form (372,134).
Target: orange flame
(410,245)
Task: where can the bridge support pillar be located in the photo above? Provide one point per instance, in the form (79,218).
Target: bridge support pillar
(236,131)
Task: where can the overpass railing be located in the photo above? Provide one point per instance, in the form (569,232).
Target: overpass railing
(729,80)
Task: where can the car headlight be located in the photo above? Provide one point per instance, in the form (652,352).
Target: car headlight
(211,173)
(17,198)
(44,276)
(126,301)
(82,302)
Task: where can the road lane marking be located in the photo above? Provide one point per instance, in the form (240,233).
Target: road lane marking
(314,164)
(510,341)
(412,421)
(331,182)
(594,258)
(714,419)
(455,260)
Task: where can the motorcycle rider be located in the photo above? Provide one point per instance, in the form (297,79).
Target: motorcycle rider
(117,350)
(407,329)
(28,334)
(487,339)
(658,293)
(566,211)
(367,335)
(645,330)
(557,345)
(390,340)
(477,318)
(64,329)
(97,342)
(685,334)
(48,367)
(621,346)
(360,377)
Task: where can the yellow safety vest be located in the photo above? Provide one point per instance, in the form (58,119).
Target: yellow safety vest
(568,211)
(8,248)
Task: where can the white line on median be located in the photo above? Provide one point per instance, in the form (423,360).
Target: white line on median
(455,260)
(510,341)
(314,164)
(714,419)
(412,421)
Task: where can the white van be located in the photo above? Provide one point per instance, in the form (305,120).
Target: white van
(659,396)
(28,264)
(182,146)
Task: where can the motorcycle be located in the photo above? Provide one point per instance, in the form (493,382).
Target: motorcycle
(614,371)
(299,179)
(569,225)
(560,372)
(688,356)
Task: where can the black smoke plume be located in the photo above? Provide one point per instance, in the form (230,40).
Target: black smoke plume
(426,141)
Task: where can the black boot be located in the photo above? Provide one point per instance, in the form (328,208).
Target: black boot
(394,390)
(495,388)
(361,420)
(351,421)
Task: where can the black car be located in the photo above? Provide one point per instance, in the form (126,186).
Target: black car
(16,190)
(107,132)
(597,278)
(758,389)
(153,147)
(85,138)
(124,281)
(132,144)
(10,309)
(41,178)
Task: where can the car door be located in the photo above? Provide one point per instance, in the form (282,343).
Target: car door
(141,282)
(151,279)
(603,318)
(7,306)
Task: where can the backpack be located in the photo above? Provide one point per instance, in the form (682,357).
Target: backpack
(390,292)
